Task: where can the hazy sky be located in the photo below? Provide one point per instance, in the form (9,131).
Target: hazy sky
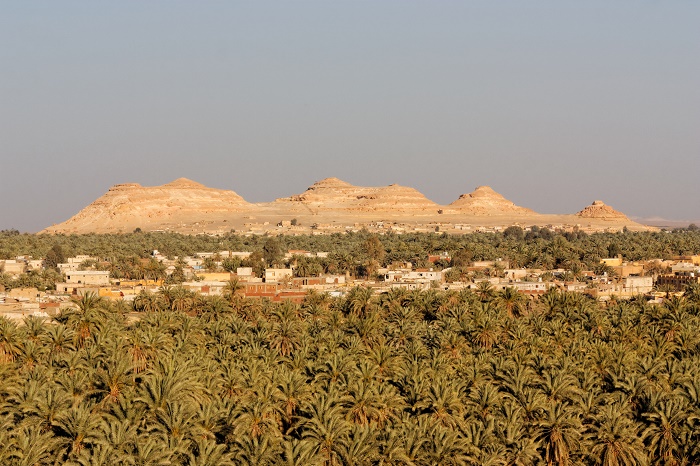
(551,103)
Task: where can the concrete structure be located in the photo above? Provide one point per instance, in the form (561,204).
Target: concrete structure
(206,287)
(79,259)
(319,283)
(13,267)
(627,269)
(612,261)
(215,276)
(239,254)
(88,277)
(694,259)
(490,264)
(683,274)
(65,267)
(638,285)
(685,268)
(418,276)
(410,285)
(515,274)
(35,264)
(276,275)
(444,256)
(30,295)
(76,289)
(531,288)
(677,282)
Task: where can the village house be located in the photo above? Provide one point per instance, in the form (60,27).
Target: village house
(612,261)
(277,275)
(638,285)
(65,267)
(34,264)
(244,273)
(532,288)
(206,287)
(515,274)
(319,283)
(13,267)
(694,259)
(88,277)
(214,276)
(418,276)
(443,256)
(74,263)
(683,274)
(79,282)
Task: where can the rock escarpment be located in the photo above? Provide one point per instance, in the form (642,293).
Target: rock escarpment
(332,194)
(128,206)
(332,204)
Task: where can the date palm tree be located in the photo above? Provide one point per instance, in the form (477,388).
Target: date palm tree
(512,301)
(32,447)
(77,429)
(667,421)
(616,440)
(559,433)
(326,430)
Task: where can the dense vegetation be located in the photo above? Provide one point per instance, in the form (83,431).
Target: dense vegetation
(405,378)
(360,252)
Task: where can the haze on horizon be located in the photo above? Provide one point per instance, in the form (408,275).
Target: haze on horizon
(553,104)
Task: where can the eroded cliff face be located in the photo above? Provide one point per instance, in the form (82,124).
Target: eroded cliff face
(600,210)
(485,201)
(128,206)
(332,194)
(189,207)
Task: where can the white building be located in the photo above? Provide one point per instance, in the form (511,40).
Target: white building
(276,275)
(418,276)
(639,284)
(13,267)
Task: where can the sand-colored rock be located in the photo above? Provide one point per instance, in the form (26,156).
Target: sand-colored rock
(332,194)
(485,201)
(128,206)
(189,207)
(600,210)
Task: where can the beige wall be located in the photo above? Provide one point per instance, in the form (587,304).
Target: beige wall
(87,277)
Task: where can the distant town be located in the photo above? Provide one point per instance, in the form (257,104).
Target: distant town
(205,274)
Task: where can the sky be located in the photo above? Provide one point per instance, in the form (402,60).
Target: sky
(553,104)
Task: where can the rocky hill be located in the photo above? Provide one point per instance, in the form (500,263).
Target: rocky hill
(126,207)
(332,204)
(485,201)
(332,194)
(600,210)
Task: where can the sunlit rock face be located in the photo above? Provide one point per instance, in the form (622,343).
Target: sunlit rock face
(485,201)
(600,210)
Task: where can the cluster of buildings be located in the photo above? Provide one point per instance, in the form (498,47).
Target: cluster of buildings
(287,227)
(618,278)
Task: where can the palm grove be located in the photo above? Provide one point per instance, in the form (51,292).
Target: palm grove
(402,378)
(358,254)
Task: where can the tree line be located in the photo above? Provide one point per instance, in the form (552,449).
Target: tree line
(362,252)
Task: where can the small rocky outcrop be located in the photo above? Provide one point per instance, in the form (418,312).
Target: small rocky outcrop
(601,210)
(485,201)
